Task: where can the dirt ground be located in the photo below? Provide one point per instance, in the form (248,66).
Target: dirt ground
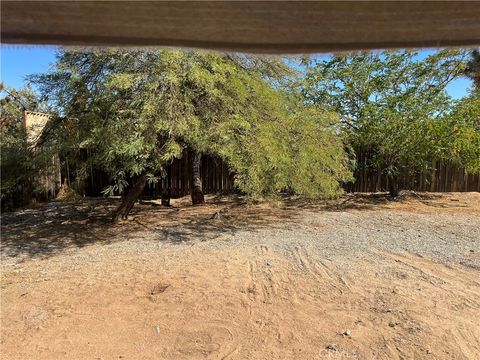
(362,277)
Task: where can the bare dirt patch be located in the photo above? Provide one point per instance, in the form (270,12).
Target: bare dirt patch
(362,277)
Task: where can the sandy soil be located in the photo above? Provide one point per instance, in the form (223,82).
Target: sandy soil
(359,278)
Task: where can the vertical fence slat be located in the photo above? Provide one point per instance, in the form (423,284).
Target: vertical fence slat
(216,177)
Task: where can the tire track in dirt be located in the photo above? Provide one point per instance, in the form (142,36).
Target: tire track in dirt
(262,277)
(467,341)
(433,268)
(121,307)
(441,276)
(264,290)
(269,279)
(319,270)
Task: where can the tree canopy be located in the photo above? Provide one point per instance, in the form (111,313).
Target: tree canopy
(137,110)
(17,162)
(394,105)
(473,68)
(279,127)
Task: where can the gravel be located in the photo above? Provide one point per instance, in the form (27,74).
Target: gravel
(447,236)
(443,237)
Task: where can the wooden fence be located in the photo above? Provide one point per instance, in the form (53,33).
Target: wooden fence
(215,174)
(442,178)
(216,178)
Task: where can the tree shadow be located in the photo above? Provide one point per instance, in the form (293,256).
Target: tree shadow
(221,215)
(50,229)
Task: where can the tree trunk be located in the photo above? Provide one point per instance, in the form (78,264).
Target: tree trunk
(393,186)
(130,199)
(197,191)
(167,191)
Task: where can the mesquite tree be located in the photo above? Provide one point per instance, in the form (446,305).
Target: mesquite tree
(458,133)
(197,191)
(137,110)
(393,105)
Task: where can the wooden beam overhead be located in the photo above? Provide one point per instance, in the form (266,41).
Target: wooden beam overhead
(263,27)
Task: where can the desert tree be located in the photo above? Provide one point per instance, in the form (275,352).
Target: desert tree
(138,110)
(392,104)
(18,162)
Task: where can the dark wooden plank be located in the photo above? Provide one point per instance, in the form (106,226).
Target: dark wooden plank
(280,27)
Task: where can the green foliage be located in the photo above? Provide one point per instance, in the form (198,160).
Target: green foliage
(301,152)
(394,106)
(459,133)
(135,111)
(17,163)
(317,149)
(472,69)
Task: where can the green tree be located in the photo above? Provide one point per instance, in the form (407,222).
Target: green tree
(473,68)
(459,134)
(391,104)
(138,110)
(18,163)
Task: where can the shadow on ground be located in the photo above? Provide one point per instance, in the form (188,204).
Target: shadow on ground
(51,228)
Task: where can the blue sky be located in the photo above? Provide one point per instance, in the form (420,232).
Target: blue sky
(20,61)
